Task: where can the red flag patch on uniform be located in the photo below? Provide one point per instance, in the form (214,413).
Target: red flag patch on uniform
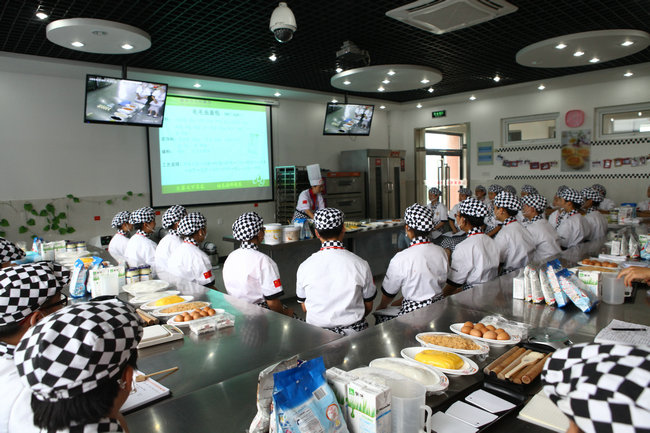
(304,202)
(207,275)
(277,283)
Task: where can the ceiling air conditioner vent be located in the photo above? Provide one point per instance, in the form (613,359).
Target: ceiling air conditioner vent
(442,16)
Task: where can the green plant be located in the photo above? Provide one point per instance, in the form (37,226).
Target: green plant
(54,220)
(125,197)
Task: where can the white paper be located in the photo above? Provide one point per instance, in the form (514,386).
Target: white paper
(145,392)
(636,338)
(443,423)
(488,401)
(541,411)
(469,414)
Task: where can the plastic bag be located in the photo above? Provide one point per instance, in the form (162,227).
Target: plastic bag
(551,268)
(575,290)
(511,326)
(547,290)
(265,384)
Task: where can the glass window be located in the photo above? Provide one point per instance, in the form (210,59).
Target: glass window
(623,121)
(539,128)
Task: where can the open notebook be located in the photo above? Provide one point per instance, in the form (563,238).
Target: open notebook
(145,392)
(541,411)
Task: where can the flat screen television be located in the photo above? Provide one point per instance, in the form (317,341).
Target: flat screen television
(348,119)
(124,102)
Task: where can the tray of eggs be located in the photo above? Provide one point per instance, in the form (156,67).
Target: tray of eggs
(187,317)
(486,333)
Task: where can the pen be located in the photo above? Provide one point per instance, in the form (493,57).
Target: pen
(628,329)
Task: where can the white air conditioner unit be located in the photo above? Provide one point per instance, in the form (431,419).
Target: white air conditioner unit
(442,16)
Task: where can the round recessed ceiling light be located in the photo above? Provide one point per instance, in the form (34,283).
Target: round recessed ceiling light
(382,107)
(380,89)
(277,94)
(628,74)
(560,46)
(424,81)
(273,57)
(77,44)
(594,60)
(541,87)
(197,85)
(496,78)
(472,98)
(334,101)
(627,43)
(347,82)
(127,46)
(419,105)
(607,43)
(98,36)
(430,90)
(403,77)
(386,81)
(41,15)
(391,72)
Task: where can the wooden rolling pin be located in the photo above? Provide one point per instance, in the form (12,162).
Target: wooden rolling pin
(506,362)
(517,377)
(502,374)
(501,358)
(533,373)
(147,318)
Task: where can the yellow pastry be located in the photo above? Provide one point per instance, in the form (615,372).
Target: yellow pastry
(440,359)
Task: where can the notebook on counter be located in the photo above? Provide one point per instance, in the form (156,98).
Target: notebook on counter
(541,411)
(617,333)
(145,392)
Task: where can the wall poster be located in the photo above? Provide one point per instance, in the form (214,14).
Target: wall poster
(576,150)
(484,153)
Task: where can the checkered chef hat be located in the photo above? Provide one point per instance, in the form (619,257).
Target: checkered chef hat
(600,188)
(511,189)
(191,223)
(328,218)
(142,215)
(9,251)
(601,387)
(507,200)
(592,194)
(247,226)
(480,188)
(25,288)
(570,194)
(435,191)
(535,201)
(560,189)
(465,191)
(172,215)
(472,207)
(72,351)
(120,218)
(419,217)
(529,189)
(495,188)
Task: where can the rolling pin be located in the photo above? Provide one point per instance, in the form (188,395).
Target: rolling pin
(502,374)
(506,362)
(533,373)
(517,377)
(497,361)
(147,318)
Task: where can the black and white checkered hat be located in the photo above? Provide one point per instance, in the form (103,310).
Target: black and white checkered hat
(535,201)
(529,189)
(592,194)
(173,215)
(511,189)
(507,200)
(472,207)
(495,188)
(70,352)
(465,191)
(191,223)
(570,194)
(120,218)
(600,188)
(25,288)
(142,215)
(10,251)
(247,226)
(419,217)
(601,387)
(435,191)
(480,188)
(560,189)
(328,218)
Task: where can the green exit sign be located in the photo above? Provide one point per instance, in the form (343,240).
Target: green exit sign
(439,113)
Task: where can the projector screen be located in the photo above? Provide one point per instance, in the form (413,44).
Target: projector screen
(211,151)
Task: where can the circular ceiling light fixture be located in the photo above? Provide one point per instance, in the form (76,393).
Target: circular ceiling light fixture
(605,45)
(98,36)
(369,78)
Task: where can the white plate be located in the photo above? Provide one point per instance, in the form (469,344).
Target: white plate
(514,339)
(146,297)
(172,320)
(484,348)
(150,305)
(158,312)
(436,381)
(145,287)
(469,367)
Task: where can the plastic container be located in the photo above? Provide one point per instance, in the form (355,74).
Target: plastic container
(613,289)
(273,233)
(290,233)
(408,406)
(132,275)
(144,272)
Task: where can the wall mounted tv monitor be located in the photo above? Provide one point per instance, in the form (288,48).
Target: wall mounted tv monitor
(348,119)
(124,102)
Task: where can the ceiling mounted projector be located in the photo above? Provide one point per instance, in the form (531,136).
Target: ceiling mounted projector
(283,23)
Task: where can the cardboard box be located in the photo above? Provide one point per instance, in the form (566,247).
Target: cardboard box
(369,407)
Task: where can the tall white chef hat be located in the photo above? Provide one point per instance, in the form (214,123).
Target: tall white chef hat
(313,173)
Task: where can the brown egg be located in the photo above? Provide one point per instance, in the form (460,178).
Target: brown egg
(203,314)
(491,335)
(499,330)
(196,316)
(476,333)
(211,312)
(466,329)
(179,318)
(187,316)
(490,328)
(470,324)
(503,336)
(206,308)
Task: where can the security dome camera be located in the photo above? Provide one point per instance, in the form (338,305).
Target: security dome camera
(283,23)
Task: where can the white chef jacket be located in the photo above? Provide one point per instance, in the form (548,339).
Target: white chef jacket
(545,239)
(144,90)
(251,275)
(304,201)
(439,212)
(596,223)
(117,247)
(474,260)
(334,283)
(191,264)
(16,414)
(164,251)
(571,230)
(515,245)
(140,251)
(552,218)
(159,94)
(420,271)
(606,204)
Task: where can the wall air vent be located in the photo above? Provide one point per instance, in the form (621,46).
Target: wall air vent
(443,16)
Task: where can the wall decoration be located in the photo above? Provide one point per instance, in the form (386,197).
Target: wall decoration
(607,163)
(576,150)
(618,162)
(545,166)
(484,153)
(574,118)
(534,165)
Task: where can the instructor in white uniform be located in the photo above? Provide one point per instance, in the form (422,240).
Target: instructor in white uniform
(140,250)
(188,261)
(172,240)
(544,236)
(310,200)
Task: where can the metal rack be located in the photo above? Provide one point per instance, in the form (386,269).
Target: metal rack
(290,181)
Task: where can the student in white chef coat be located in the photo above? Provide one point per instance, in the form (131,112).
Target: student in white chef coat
(420,271)
(117,245)
(172,240)
(492,225)
(450,240)
(528,190)
(188,261)
(476,259)
(28,293)
(513,240)
(571,226)
(480,193)
(440,215)
(310,200)
(9,252)
(248,273)
(335,286)
(596,223)
(605,204)
(140,250)
(544,236)
(558,212)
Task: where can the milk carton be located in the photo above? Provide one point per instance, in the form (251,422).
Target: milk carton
(369,407)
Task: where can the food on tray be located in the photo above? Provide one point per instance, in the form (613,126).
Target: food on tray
(453,342)
(188,306)
(481,330)
(440,359)
(601,263)
(195,314)
(167,300)
(518,365)
(568,151)
(415,372)
(575,161)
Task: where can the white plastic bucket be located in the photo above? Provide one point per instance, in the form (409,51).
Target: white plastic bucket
(290,233)
(273,233)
